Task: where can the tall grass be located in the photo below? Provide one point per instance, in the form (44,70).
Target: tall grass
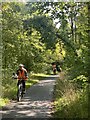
(70,100)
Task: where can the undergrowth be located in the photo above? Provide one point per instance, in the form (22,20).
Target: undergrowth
(71,98)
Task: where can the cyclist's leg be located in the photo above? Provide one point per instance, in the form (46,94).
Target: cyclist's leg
(18,83)
(18,91)
(55,71)
(23,82)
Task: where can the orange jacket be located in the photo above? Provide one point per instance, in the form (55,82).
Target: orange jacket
(22,74)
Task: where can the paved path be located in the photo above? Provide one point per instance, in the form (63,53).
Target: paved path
(36,102)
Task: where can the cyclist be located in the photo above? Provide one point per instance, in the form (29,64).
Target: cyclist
(58,68)
(22,75)
(54,68)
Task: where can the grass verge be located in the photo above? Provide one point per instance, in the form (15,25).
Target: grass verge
(70,101)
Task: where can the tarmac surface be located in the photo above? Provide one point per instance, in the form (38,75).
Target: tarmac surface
(36,103)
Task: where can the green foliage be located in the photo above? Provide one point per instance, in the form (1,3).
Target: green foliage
(81,81)
(36,34)
(45,26)
(70,101)
(3,102)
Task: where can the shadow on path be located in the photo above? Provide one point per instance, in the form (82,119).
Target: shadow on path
(37,102)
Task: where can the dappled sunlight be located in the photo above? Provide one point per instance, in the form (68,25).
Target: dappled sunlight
(51,40)
(32,109)
(37,102)
(33,105)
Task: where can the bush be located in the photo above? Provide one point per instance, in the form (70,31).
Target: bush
(70,101)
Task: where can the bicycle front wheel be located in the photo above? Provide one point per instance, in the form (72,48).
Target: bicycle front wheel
(19,93)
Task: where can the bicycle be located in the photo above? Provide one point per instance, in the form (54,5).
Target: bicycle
(20,91)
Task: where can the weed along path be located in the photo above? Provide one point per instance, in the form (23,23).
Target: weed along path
(37,102)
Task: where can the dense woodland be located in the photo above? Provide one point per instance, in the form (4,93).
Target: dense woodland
(39,33)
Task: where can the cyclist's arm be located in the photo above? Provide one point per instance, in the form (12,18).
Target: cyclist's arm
(17,73)
(26,74)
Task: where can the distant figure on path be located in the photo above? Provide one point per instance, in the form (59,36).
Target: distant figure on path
(54,68)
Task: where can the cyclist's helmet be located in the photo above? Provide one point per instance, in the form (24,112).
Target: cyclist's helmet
(21,65)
